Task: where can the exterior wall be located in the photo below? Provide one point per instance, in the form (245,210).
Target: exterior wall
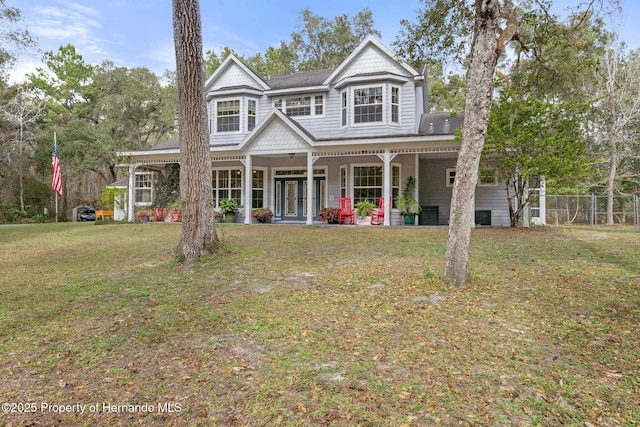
(434,192)
(369,62)
(494,199)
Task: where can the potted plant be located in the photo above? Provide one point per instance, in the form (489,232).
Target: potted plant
(229,207)
(262,214)
(330,215)
(409,207)
(142,215)
(176,211)
(364,208)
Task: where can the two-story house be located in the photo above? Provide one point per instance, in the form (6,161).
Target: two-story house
(299,142)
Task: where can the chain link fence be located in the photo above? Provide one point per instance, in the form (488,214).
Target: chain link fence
(592,210)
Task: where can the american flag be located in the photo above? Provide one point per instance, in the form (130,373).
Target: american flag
(56,177)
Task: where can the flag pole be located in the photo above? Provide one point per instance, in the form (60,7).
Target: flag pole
(55,145)
(56,193)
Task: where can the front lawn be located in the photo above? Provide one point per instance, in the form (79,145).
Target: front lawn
(299,325)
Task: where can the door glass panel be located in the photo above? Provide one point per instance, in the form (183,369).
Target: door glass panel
(304,199)
(278,200)
(291,202)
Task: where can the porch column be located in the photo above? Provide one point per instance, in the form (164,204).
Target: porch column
(310,204)
(386,188)
(131,196)
(248,190)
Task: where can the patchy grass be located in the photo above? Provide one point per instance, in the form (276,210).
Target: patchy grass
(301,325)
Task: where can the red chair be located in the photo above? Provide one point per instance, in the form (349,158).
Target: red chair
(160,213)
(377,215)
(346,210)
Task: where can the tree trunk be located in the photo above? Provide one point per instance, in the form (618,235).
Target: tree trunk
(611,180)
(198,226)
(613,135)
(488,43)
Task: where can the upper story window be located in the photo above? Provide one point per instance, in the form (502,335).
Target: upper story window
(367,104)
(234,115)
(228,116)
(343,108)
(251,114)
(395,104)
(301,106)
(370,105)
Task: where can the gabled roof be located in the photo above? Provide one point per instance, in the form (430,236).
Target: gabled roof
(367,43)
(268,122)
(230,62)
(302,79)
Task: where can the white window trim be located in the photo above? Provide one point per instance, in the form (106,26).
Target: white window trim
(352,106)
(244,115)
(351,177)
(246,101)
(344,97)
(216,188)
(391,122)
(265,187)
(215,115)
(312,104)
(448,174)
(152,188)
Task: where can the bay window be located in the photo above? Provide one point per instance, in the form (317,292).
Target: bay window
(367,104)
(228,116)
(234,115)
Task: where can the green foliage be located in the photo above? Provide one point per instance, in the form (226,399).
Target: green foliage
(364,207)
(321,43)
(212,61)
(446,92)
(406,203)
(167,189)
(108,195)
(528,137)
(229,206)
(12,38)
(442,30)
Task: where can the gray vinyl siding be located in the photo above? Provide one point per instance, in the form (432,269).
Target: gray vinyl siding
(494,199)
(434,192)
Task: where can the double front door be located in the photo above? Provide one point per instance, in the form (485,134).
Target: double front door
(291,198)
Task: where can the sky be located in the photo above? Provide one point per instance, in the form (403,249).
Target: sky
(139,33)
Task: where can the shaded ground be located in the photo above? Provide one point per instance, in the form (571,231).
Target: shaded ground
(319,326)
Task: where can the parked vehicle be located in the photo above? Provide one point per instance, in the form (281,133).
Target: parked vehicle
(86,214)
